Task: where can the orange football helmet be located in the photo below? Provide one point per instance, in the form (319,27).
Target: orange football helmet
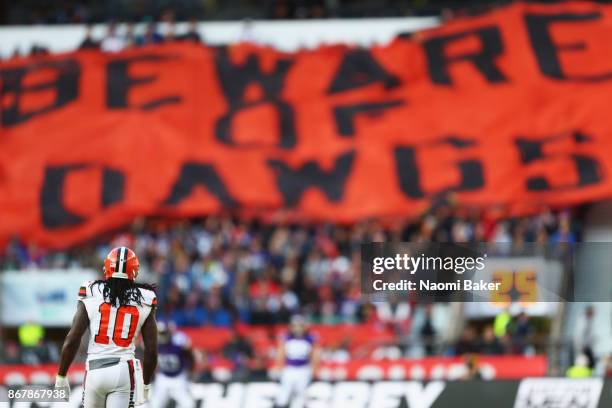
(121,262)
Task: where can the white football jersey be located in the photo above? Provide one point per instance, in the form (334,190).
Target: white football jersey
(113,331)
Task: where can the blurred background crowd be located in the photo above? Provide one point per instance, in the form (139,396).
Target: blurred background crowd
(118,37)
(133,24)
(82,11)
(228,272)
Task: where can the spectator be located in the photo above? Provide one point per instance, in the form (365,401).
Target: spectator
(580,369)
(238,348)
(264,296)
(11,353)
(192,33)
(216,313)
(88,42)
(428,331)
(112,42)
(193,314)
(170,33)
(289,304)
(130,35)
(281,10)
(37,50)
(490,343)
(501,322)
(584,339)
(521,331)
(33,348)
(239,351)
(169,25)
(564,233)
(467,343)
(151,35)
(31,334)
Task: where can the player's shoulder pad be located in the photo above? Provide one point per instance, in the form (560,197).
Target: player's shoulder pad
(149,297)
(86,290)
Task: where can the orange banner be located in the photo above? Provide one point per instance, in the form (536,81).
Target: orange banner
(507,110)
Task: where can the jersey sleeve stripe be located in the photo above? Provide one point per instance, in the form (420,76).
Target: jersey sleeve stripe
(154,301)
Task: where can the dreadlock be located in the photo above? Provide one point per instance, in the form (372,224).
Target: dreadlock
(122,292)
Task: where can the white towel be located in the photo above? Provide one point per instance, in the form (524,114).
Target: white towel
(139,397)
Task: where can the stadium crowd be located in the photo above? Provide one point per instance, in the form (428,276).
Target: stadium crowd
(81,11)
(222,271)
(160,23)
(118,37)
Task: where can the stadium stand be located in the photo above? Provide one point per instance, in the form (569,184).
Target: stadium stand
(232,279)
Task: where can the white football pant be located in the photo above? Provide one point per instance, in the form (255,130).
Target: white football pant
(110,387)
(293,382)
(166,388)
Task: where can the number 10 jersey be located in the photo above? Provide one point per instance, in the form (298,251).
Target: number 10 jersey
(113,330)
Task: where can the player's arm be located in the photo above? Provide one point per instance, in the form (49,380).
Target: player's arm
(70,348)
(280,354)
(73,339)
(189,357)
(315,357)
(149,339)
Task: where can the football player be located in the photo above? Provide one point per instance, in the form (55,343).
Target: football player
(176,360)
(116,309)
(297,357)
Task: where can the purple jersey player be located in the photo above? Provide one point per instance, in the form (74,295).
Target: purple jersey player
(175,361)
(297,358)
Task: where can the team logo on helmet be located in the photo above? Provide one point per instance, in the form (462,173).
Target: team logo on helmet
(121,263)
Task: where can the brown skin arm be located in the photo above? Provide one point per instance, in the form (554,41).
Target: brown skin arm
(280,355)
(315,357)
(189,358)
(149,338)
(73,339)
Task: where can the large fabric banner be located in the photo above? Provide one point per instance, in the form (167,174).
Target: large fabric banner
(508,110)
